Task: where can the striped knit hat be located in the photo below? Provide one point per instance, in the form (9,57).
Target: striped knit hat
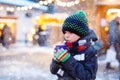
(76,23)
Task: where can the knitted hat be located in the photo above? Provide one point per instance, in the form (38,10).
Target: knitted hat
(76,23)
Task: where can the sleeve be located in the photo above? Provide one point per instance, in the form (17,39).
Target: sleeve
(54,67)
(82,71)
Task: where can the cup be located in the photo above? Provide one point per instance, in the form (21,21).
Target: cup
(58,47)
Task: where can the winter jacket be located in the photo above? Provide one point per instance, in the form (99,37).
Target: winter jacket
(117,46)
(114,37)
(7,37)
(113,32)
(80,66)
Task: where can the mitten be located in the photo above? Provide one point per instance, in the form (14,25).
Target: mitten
(61,55)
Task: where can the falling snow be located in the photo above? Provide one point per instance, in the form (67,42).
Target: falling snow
(32,63)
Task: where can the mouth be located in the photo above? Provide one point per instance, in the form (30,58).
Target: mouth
(68,41)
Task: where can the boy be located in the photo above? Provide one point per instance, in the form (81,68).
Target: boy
(77,59)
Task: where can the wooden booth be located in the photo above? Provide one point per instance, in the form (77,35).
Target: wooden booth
(52,24)
(106,10)
(11,23)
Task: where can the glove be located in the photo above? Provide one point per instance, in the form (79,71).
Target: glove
(61,55)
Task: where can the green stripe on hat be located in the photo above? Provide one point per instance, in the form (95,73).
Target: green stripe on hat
(76,23)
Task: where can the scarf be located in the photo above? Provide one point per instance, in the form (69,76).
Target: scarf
(77,46)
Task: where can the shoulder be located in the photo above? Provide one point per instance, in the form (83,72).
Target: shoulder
(90,49)
(113,22)
(91,36)
(91,52)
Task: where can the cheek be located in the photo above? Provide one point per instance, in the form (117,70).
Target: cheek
(71,37)
(65,37)
(74,38)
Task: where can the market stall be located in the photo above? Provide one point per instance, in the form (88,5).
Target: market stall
(50,27)
(106,11)
(11,23)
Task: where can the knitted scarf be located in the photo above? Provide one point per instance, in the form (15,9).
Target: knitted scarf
(77,47)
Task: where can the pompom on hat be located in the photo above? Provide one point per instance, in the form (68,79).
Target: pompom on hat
(76,23)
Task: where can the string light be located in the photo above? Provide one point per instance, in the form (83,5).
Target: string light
(10,9)
(67,4)
(46,2)
(60,3)
(1,8)
(23,8)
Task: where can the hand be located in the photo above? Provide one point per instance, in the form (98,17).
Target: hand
(61,55)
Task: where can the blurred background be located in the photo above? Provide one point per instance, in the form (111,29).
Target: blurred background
(35,27)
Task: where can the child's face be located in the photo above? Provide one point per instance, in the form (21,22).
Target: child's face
(72,37)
